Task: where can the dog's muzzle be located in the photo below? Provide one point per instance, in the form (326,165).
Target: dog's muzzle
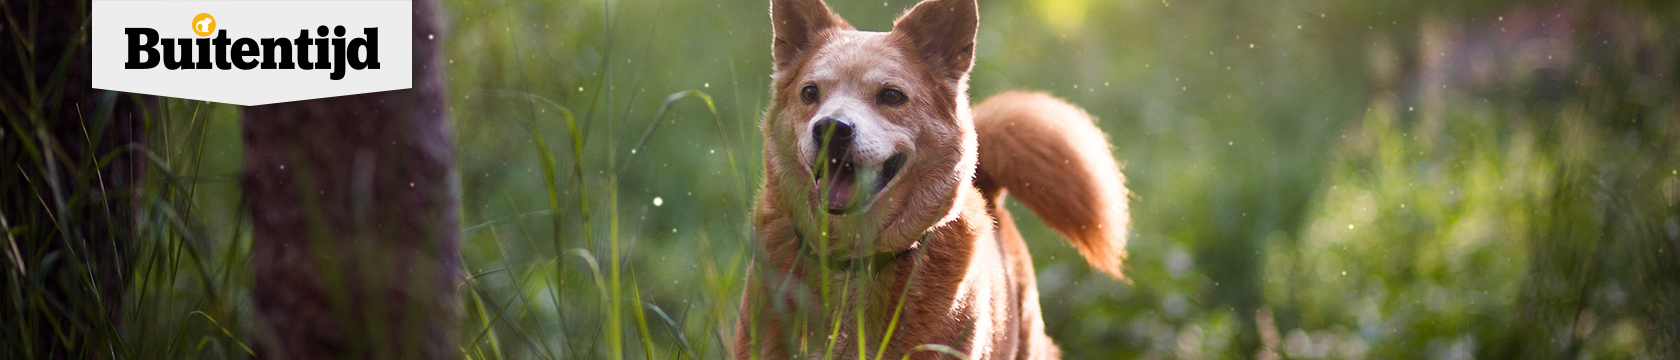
(836,162)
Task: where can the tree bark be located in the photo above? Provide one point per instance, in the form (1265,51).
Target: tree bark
(354,206)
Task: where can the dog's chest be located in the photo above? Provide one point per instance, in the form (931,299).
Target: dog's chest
(987,304)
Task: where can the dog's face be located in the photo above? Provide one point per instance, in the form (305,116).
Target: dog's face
(870,131)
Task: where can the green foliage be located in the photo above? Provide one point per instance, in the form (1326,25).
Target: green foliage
(1315,179)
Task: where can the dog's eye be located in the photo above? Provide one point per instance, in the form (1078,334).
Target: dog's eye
(809,94)
(891,97)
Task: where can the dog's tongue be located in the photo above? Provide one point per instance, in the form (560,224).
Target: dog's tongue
(841,189)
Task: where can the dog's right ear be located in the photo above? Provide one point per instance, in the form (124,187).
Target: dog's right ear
(796,25)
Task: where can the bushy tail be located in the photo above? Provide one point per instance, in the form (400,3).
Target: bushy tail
(1052,157)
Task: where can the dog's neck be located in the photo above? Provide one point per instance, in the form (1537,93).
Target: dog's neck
(868,263)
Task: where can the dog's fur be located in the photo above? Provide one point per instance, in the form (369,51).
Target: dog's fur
(902,229)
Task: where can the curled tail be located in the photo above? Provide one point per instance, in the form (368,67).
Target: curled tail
(1052,157)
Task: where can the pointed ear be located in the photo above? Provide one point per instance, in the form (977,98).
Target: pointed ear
(943,32)
(796,25)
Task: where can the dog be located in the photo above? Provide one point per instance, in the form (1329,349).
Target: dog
(881,217)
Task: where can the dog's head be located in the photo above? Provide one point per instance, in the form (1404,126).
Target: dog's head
(870,132)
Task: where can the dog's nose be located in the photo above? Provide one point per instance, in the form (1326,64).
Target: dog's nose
(837,129)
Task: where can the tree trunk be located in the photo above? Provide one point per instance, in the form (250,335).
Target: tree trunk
(354,205)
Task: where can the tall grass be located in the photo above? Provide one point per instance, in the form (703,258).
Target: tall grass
(106,254)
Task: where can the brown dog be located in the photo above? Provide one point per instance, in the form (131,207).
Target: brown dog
(882,214)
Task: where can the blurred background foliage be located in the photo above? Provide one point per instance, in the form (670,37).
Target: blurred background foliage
(1313,179)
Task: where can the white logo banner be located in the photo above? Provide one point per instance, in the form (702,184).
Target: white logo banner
(252,52)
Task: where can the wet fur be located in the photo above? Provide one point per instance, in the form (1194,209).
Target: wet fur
(957,263)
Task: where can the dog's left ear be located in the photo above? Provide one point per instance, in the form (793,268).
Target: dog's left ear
(943,32)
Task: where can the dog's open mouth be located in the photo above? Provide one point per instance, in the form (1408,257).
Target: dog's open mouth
(847,178)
